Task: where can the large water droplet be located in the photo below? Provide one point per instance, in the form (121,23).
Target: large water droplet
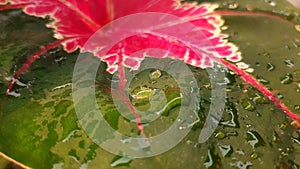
(220,135)
(248,105)
(241,165)
(270,67)
(254,139)
(289,63)
(286,79)
(254,155)
(155,74)
(226,150)
(262,80)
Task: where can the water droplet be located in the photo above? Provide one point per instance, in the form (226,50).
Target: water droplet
(276,138)
(266,54)
(286,79)
(232,111)
(224,27)
(262,80)
(233,133)
(295,44)
(250,70)
(270,67)
(241,165)
(279,96)
(259,99)
(119,160)
(248,105)
(272,3)
(254,139)
(295,124)
(297,27)
(60,59)
(226,150)
(13,93)
(212,159)
(240,152)
(181,128)
(254,155)
(242,65)
(155,74)
(233,5)
(297,72)
(220,135)
(189,142)
(289,63)
(283,126)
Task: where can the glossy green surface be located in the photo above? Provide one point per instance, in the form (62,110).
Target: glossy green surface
(40,127)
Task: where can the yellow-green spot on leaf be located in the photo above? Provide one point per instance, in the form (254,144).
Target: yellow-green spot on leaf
(112,117)
(220,135)
(23,140)
(248,105)
(49,104)
(69,123)
(142,92)
(62,108)
(81,144)
(254,155)
(91,152)
(155,74)
(73,154)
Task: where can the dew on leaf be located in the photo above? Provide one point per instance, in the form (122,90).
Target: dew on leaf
(248,105)
(254,155)
(266,54)
(272,3)
(286,79)
(296,72)
(262,80)
(226,150)
(220,135)
(59,59)
(297,27)
(295,125)
(240,152)
(296,138)
(121,161)
(155,74)
(212,159)
(270,67)
(254,139)
(297,107)
(289,63)
(242,65)
(275,137)
(233,133)
(233,5)
(224,27)
(259,99)
(233,121)
(241,165)
(279,96)
(250,70)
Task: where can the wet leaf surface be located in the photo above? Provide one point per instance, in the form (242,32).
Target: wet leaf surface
(40,127)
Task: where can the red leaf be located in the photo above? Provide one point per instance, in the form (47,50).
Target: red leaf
(80,20)
(75,21)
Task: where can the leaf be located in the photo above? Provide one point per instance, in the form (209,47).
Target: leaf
(20,111)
